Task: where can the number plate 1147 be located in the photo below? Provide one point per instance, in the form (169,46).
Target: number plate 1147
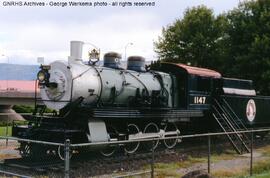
(199,100)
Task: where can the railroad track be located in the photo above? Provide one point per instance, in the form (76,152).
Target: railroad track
(22,166)
(89,164)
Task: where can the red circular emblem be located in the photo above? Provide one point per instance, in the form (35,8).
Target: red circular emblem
(251,110)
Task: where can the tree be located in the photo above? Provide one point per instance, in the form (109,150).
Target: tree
(193,39)
(249,39)
(236,43)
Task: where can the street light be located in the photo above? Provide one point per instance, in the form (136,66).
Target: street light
(126,49)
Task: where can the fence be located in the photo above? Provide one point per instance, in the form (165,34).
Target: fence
(63,168)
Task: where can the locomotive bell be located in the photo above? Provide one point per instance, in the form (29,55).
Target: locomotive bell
(136,63)
(112,60)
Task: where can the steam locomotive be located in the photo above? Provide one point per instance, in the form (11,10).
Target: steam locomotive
(109,103)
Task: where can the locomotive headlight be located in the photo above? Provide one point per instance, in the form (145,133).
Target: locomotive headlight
(41,76)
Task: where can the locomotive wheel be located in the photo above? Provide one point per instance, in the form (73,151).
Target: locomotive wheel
(25,149)
(110,149)
(170,143)
(133,130)
(61,152)
(151,128)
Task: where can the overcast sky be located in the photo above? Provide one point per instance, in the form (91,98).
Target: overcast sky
(29,32)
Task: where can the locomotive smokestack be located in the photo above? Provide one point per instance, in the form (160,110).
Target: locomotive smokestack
(76,48)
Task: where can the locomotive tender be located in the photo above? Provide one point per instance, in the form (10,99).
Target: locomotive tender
(109,103)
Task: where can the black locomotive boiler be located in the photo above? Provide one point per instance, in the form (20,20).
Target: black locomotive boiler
(110,103)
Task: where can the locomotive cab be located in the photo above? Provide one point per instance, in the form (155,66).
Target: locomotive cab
(193,86)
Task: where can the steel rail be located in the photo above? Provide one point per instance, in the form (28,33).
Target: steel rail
(32,141)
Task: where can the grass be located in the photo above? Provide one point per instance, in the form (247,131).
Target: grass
(169,170)
(3,131)
(261,169)
(262,175)
(234,173)
(177,165)
(227,155)
(262,166)
(265,151)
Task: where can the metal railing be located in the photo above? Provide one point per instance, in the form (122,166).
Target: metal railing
(68,147)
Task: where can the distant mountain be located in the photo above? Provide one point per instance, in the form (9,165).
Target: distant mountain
(29,72)
(18,72)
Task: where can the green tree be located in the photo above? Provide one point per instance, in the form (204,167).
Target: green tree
(249,39)
(236,43)
(195,39)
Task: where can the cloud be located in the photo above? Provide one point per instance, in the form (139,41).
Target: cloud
(109,33)
(27,33)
